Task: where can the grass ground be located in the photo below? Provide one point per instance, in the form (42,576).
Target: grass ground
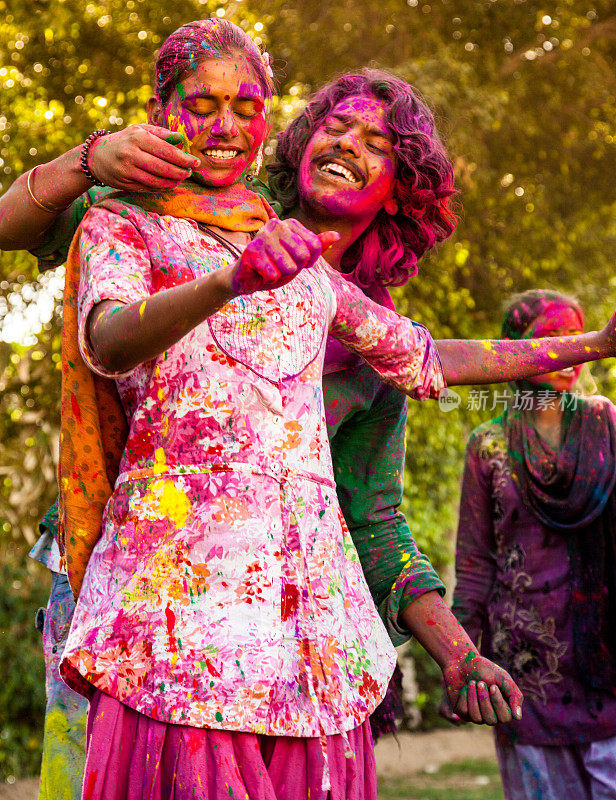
(467,780)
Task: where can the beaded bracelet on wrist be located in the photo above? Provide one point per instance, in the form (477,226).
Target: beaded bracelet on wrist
(85,152)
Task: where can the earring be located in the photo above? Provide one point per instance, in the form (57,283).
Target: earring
(257,163)
(391,206)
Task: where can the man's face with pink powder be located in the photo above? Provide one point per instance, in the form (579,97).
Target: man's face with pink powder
(349,166)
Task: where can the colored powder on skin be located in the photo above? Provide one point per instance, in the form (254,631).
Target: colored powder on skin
(174,121)
(175,138)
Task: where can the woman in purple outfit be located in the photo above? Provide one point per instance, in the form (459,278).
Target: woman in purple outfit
(536,568)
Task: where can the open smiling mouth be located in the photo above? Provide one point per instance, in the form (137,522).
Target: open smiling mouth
(220,155)
(339,171)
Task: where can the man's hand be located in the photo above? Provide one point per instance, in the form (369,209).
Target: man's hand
(477,690)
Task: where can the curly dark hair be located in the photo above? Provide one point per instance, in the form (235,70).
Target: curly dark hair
(388,250)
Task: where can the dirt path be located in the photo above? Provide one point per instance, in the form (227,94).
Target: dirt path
(412,752)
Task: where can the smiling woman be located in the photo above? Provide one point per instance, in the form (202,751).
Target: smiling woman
(535,567)
(223,594)
(219,104)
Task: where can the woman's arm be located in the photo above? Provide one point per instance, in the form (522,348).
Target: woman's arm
(400,351)
(476,361)
(123,334)
(404,354)
(139,158)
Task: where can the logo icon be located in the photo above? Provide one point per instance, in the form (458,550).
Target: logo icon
(448,400)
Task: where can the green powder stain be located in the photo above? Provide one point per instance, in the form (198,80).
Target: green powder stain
(218,716)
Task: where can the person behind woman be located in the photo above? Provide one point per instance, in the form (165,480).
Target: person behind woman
(536,567)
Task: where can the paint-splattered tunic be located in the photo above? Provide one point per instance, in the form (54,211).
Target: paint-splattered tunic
(225,591)
(513,590)
(366,424)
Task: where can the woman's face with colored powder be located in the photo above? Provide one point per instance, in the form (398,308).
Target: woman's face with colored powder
(219,107)
(557,320)
(349,165)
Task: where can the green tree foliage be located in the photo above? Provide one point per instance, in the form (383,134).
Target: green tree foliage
(22,692)
(525,96)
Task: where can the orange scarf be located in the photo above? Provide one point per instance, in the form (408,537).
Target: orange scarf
(93,427)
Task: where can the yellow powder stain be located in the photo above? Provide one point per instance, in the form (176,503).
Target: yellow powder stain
(552,354)
(174,658)
(175,124)
(405,557)
(160,461)
(174,503)
(488,344)
(142,309)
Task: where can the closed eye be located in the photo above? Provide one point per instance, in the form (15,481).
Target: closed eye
(382,149)
(200,108)
(335,130)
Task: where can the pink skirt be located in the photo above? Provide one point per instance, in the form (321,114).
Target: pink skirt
(133,757)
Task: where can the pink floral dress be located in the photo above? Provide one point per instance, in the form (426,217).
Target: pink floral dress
(226,591)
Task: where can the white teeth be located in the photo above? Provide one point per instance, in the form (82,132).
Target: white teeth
(221,153)
(338,169)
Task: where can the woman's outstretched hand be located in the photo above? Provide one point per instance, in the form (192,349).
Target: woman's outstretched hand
(141,158)
(281,249)
(477,690)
